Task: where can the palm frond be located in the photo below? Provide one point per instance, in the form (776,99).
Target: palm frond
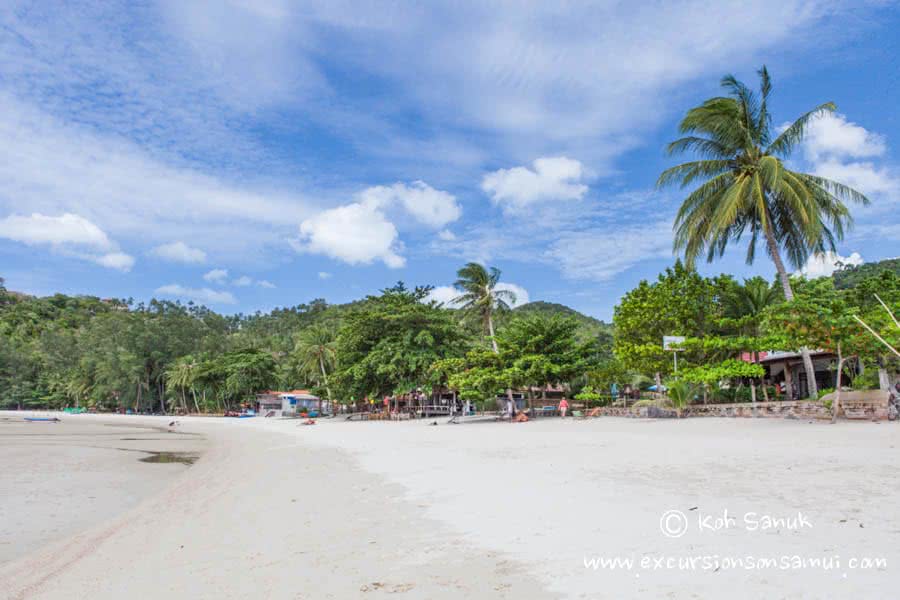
(686,173)
(784,144)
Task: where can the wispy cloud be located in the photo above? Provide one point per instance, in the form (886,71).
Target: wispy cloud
(180,252)
(199,295)
(216,276)
(126,191)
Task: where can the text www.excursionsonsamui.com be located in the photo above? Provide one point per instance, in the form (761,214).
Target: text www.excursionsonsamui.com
(715,562)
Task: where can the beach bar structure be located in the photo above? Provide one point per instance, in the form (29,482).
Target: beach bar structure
(787,368)
(289,403)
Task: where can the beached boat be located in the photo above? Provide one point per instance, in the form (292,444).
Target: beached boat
(51,419)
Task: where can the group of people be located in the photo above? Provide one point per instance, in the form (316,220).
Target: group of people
(562,407)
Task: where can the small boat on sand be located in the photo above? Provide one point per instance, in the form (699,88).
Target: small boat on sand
(49,419)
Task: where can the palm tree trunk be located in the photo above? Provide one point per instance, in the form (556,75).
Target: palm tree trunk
(490,323)
(327,389)
(811,387)
(762,382)
(753,395)
(509,392)
(836,405)
(884,380)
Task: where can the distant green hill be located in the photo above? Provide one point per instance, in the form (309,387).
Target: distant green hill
(850,276)
(589,327)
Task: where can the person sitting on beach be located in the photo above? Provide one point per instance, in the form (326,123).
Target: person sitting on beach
(563,407)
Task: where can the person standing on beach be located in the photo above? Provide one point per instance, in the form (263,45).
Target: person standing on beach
(563,407)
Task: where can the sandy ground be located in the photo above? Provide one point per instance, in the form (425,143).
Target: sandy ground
(61,478)
(497,510)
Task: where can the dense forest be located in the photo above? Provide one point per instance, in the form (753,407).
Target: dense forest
(64,350)
(110,354)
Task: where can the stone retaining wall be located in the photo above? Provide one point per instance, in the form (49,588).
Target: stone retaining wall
(784,410)
(871,405)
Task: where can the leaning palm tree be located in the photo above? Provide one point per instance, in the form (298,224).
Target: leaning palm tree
(315,351)
(746,187)
(480,297)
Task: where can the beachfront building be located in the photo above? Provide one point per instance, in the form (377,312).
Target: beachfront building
(787,368)
(288,403)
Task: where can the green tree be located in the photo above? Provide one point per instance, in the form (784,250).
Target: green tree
(680,394)
(182,374)
(820,317)
(480,376)
(236,376)
(480,297)
(542,351)
(388,343)
(863,297)
(746,188)
(315,353)
(745,305)
(680,302)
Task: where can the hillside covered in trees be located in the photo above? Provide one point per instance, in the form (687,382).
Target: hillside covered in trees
(852,275)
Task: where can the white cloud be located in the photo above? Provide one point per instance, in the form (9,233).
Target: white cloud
(115,260)
(199,295)
(834,147)
(356,233)
(445,294)
(552,178)
(216,276)
(600,254)
(427,205)
(825,264)
(324,275)
(242,281)
(68,234)
(180,252)
(520,293)
(446,235)
(831,135)
(265,284)
(38,229)
(862,176)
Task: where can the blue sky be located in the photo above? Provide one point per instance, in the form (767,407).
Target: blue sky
(253,154)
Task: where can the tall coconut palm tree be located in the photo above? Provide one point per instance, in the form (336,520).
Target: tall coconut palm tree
(315,351)
(746,188)
(480,297)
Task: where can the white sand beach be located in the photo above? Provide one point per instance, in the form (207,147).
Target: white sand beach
(496,510)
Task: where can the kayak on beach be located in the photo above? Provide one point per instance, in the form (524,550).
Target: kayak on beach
(51,419)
